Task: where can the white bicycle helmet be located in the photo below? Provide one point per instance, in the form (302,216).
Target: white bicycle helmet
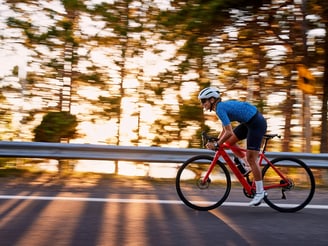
(209,92)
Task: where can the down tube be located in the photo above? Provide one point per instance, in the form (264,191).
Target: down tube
(215,159)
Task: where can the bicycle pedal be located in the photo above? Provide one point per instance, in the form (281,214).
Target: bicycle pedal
(257,204)
(259,197)
(247,172)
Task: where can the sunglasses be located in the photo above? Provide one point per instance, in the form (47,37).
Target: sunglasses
(203,100)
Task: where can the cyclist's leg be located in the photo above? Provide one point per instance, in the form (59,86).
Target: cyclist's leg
(256,129)
(252,156)
(239,133)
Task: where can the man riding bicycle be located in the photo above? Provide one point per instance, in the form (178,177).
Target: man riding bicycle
(252,127)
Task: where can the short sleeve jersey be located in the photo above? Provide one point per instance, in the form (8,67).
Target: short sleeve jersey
(232,110)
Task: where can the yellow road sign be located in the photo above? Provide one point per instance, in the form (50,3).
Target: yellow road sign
(306,81)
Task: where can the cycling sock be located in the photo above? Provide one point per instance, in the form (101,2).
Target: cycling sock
(259,186)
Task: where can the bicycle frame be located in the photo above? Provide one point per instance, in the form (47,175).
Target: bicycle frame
(203,182)
(249,188)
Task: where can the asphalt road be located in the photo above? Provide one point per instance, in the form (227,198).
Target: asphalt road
(91,211)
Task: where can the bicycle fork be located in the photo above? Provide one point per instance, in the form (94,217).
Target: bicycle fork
(214,161)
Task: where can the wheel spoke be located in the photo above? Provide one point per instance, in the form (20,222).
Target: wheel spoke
(299,189)
(198,194)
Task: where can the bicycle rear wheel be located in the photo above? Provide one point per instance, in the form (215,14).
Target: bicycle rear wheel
(202,196)
(299,191)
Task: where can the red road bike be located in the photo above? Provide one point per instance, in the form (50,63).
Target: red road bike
(203,182)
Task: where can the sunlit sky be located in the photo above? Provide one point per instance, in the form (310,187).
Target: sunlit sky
(16,54)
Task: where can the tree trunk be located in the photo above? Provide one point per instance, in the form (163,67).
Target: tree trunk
(288,111)
(324,120)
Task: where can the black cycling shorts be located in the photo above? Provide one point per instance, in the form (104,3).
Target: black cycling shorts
(253,130)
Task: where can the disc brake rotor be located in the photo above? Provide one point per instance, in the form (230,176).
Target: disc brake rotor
(203,185)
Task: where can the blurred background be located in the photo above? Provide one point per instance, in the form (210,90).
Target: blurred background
(124,72)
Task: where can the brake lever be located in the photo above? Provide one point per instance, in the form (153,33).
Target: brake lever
(206,138)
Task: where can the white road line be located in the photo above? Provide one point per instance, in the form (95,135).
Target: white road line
(121,200)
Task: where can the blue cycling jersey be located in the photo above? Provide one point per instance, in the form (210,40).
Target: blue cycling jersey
(232,110)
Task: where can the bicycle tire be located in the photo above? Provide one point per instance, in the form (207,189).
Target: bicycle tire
(199,196)
(301,186)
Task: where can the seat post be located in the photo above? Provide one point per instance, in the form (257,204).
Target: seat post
(266,139)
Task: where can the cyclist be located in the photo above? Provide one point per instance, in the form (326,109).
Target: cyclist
(252,127)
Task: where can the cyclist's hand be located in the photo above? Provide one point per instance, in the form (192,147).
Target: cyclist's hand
(211,146)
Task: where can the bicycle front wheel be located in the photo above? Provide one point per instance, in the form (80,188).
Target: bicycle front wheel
(297,192)
(198,195)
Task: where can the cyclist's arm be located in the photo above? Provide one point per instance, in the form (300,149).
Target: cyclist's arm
(221,133)
(226,133)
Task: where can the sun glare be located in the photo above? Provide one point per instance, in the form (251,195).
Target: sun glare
(188,90)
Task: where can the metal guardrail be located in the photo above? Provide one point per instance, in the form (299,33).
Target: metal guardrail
(128,153)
